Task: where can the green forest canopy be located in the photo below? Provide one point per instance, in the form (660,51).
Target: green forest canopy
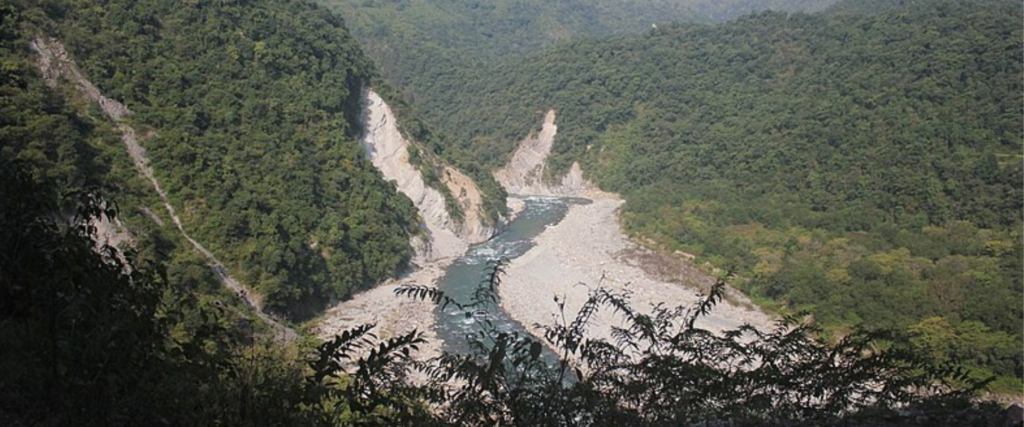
(93,339)
(252,109)
(398,33)
(416,43)
(864,167)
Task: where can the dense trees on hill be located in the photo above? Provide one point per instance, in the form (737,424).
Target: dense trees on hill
(417,43)
(879,6)
(91,339)
(400,34)
(866,168)
(496,29)
(261,160)
(59,139)
(250,111)
(36,126)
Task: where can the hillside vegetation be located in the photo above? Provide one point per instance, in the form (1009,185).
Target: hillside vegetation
(422,46)
(94,340)
(864,168)
(247,109)
(397,33)
(250,111)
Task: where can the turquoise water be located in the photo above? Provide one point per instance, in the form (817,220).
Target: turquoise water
(465,274)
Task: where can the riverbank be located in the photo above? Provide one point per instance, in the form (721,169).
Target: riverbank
(588,249)
(394,315)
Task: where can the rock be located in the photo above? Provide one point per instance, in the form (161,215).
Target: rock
(1013,416)
(388,150)
(524,173)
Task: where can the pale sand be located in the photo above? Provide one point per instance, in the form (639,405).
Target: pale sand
(585,245)
(394,315)
(573,256)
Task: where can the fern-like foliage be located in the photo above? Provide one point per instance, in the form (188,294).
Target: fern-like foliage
(658,369)
(423,293)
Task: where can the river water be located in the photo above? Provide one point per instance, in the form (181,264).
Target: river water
(465,274)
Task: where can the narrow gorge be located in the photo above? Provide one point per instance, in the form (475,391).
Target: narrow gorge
(441,239)
(565,239)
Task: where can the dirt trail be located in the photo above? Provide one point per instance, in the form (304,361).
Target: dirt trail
(54,62)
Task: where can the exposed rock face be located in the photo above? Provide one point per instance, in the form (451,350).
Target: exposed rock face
(474,228)
(444,237)
(111,232)
(524,174)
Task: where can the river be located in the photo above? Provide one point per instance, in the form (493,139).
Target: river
(466,273)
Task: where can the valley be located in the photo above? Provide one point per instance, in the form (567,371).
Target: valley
(861,164)
(511,212)
(568,230)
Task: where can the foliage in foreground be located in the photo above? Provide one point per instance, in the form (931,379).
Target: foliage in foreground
(92,338)
(94,335)
(661,369)
(864,168)
(250,111)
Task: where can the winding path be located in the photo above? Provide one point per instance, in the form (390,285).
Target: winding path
(54,62)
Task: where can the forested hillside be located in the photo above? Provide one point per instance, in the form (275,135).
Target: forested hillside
(879,6)
(249,111)
(398,33)
(864,168)
(419,43)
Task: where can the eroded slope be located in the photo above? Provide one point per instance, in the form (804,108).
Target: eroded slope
(525,172)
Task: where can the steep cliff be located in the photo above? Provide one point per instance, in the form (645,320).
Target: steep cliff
(444,236)
(524,173)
